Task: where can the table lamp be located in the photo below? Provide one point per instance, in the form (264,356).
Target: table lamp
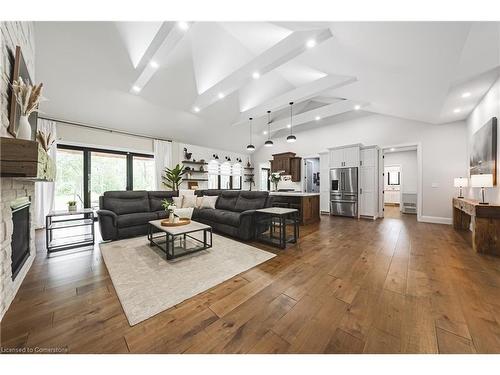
(482,181)
(461,182)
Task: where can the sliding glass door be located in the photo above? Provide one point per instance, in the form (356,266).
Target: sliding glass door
(84,174)
(69,180)
(107,172)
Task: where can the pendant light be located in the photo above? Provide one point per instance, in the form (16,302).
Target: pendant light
(268,143)
(291,138)
(251,147)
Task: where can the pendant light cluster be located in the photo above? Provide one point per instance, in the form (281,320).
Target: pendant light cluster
(291,138)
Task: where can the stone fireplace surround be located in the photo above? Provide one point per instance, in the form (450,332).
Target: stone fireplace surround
(10,190)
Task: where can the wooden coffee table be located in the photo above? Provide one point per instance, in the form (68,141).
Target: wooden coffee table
(166,239)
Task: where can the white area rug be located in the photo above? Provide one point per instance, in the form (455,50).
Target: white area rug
(147,284)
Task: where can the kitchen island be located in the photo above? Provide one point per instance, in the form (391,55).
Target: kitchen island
(306,203)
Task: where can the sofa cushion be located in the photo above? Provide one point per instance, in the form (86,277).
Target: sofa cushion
(227,200)
(218,216)
(251,200)
(156,197)
(138,218)
(126,202)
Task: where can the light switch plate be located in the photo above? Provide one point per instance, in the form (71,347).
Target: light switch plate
(435,185)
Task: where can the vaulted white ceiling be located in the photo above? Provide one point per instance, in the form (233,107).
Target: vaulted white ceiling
(414,70)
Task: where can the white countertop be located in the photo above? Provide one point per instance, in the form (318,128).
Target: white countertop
(293,194)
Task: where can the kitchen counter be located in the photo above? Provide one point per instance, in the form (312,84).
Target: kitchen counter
(306,203)
(293,194)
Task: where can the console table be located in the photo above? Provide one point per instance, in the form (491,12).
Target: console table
(485,224)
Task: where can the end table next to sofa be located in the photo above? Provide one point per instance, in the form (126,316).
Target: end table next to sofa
(268,219)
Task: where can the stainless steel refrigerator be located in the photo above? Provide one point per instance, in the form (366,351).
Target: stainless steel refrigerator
(344,192)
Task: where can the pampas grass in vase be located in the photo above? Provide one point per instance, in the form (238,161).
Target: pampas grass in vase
(28,97)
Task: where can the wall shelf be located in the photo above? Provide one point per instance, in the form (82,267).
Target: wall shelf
(194,162)
(194,179)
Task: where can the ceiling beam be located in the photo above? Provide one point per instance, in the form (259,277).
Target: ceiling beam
(323,112)
(297,95)
(282,52)
(160,49)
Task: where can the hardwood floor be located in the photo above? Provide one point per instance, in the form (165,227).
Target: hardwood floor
(348,286)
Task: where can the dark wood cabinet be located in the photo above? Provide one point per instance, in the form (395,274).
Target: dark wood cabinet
(288,164)
(308,206)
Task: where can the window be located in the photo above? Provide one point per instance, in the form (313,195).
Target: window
(84,174)
(236,178)
(225,176)
(265,184)
(144,173)
(69,180)
(213,174)
(393,178)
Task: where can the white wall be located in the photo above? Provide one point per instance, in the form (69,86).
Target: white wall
(443,150)
(487,108)
(409,169)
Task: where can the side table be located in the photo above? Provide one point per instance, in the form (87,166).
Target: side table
(270,225)
(63,219)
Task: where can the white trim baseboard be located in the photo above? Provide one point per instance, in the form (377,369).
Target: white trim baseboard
(436,220)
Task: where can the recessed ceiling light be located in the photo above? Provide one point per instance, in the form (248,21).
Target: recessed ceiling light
(264,132)
(183,25)
(317,118)
(357,107)
(456,110)
(221,95)
(289,126)
(393,149)
(196,109)
(154,64)
(311,43)
(136,88)
(255,75)
(465,95)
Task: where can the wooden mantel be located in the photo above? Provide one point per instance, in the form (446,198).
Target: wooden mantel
(25,159)
(485,221)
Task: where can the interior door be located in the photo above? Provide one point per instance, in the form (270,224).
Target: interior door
(367,191)
(324,182)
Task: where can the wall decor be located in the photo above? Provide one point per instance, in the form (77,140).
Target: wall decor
(187,155)
(20,71)
(483,154)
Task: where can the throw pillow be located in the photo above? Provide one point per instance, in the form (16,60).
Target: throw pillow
(177,201)
(209,201)
(184,213)
(199,201)
(189,201)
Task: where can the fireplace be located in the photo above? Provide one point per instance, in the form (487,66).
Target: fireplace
(20,234)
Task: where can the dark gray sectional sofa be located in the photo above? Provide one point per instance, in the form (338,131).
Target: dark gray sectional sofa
(125,214)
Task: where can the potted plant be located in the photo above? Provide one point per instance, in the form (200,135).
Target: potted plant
(172,178)
(169,207)
(275,178)
(28,97)
(71,205)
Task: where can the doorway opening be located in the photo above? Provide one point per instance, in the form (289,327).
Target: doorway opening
(401,191)
(311,175)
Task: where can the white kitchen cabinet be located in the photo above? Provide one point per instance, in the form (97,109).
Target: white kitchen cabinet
(392,196)
(368,183)
(324,182)
(344,157)
(351,157)
(337,158)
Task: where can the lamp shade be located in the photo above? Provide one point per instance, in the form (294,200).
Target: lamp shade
(461,182)
(481,180)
